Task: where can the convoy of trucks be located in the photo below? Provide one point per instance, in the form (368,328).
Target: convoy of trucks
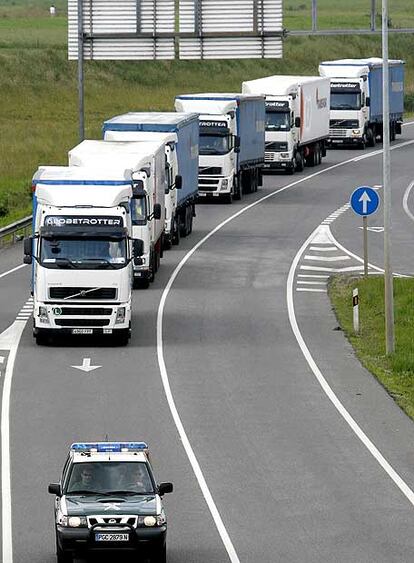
(231,142)
(182,161)
(100,224)
(82,253)
(356,115)
(147,163)
(297,120)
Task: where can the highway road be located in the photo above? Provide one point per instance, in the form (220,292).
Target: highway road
(280,446)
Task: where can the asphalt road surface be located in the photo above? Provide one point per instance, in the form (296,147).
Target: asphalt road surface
(292,467)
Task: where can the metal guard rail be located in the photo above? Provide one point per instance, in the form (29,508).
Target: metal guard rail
(10,232)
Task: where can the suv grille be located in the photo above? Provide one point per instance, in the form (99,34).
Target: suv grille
(67,292)
(112,520)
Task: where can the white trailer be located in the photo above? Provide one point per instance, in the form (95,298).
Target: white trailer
(147,162)
(81,252)
(174,208)
(297,120)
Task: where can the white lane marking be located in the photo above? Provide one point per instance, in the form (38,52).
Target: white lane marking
(323,248)
(326,387)
(86,365)
(12,270)
(338,270)
(9,340)
(313,276)
(303,282)
(309,290)
(405,201)
(374,229)
(325,258)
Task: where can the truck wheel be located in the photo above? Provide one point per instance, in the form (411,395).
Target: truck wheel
(141,283)
(122,337)
(299,163)
(167,242)
(363,143)
(237,194)
(370,137)
(392,131)
(310,160)
(41,338)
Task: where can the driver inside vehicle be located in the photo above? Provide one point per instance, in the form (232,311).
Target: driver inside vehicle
(138,479)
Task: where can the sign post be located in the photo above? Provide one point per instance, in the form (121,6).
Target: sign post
(365,201)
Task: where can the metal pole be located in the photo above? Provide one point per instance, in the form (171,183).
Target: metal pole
(80,72)
(365,231)
(373,15)
(389,293)
(314,15)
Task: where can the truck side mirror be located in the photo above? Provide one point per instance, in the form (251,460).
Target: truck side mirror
(27,250)
(55,489)
(297,122)
(367,101)
(236,143)
(138,251)
(164,488)
(157,211)
(178,182)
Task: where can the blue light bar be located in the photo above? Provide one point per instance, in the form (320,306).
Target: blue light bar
(108,446)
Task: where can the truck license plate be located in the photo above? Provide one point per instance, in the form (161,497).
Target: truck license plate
(111,537)
(82,330)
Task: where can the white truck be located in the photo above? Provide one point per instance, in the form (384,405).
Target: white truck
(82,252)
(174,206)
(147,162)
(297,120)
(231,142)
(180,209)
(356,100)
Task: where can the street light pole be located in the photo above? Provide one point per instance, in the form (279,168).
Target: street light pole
(373,15)
(389,293)
(314,15)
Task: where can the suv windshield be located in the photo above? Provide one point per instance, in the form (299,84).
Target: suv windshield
(214,144)
(109,477)
(277,121)
(86,254)
(346,100)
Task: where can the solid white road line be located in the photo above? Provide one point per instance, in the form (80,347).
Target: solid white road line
(9,340)
(404,488)
(12,270)
(405,201)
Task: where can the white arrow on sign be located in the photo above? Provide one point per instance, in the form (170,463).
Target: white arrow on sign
(86,365)
(365,200)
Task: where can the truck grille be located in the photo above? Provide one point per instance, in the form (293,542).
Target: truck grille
(270,156)
(210,171)
(337,132)
(343,124)
(84,311)
(92,294)
(82,322)
(276,146)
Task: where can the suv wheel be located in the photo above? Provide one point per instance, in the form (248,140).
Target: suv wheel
(160,555)
(62,557)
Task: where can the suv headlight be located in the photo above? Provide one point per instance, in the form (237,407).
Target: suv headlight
(152,521)
(73,521)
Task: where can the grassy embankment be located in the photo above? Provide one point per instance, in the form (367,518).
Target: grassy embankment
(38,87)
(396,371)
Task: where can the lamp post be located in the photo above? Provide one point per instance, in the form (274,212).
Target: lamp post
(389,293)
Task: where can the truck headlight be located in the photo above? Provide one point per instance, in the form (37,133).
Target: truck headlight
(224,184)
(73,521)
(120,315)
(43,316)
(284,155)
(355,131)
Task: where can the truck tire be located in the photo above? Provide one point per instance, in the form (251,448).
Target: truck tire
(299,162)
(122,337)
(41,337)
(141,283)
(310,159)
(392,131)
(175,236)
(237,191)
(371,137)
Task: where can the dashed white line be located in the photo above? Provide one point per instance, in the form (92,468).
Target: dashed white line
(313,290)
(302,282)
(323,248)
(320,276)
(326,258)
(338,270)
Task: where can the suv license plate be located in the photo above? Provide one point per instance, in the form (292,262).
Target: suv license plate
(111,537)
(82,330)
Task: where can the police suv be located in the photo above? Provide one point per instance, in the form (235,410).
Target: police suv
(108,500)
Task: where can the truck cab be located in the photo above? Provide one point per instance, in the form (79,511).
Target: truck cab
(81,253)
(217,146)
(281,135)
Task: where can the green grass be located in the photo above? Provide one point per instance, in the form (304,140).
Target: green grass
(396,371)
(38,86)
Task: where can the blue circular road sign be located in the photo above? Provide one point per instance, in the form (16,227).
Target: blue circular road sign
(364,201)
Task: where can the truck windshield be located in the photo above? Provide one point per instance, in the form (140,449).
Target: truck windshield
(346,100)
(214,144)
(277,121)
(83,253)
(102,478)
(139,211)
